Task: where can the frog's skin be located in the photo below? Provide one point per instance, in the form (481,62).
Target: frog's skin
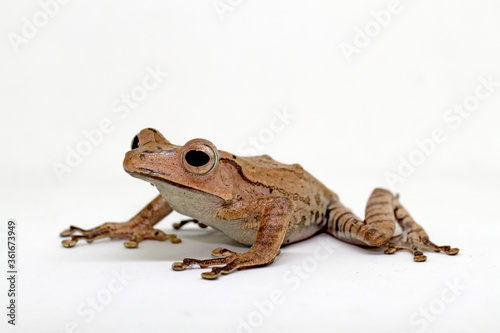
(255,200)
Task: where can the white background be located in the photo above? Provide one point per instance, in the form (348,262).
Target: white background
(228,73)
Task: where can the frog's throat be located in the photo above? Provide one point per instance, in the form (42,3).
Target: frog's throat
(146,174)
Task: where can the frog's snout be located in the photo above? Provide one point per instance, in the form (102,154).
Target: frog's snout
(148,135)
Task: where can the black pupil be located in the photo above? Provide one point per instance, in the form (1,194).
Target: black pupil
(135,142)
(197,158)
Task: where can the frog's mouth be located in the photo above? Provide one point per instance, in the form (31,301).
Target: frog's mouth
(155,177)
(151,172)
(134,164)
(136,161)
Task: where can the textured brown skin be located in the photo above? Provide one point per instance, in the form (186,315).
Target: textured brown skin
(254,200)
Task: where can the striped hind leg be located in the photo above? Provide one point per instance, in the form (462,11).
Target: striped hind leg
(377,229)
(413,237)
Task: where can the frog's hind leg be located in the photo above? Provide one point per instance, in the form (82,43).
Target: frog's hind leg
(383,210)
(413,237)
(140,227)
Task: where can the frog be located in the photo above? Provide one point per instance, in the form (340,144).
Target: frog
(256,201)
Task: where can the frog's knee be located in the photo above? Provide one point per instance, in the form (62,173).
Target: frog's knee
(376,238)
(381,191)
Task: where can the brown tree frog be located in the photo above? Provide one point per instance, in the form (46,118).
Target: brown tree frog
(255,200)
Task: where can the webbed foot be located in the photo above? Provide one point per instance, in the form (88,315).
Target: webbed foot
(134,231)
(417,244)
(231,260)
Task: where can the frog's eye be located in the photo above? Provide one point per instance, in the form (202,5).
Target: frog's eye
(135,142)
(199,156)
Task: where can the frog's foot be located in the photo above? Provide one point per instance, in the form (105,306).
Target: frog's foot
(180,224)
(413,237)
(231,260)
(417,246)
(154,234)
(133,230)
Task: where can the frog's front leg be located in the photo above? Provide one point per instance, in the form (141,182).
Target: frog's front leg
(274,215)
(139,227)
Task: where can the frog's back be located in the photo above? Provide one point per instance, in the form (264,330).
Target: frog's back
(269,171)
(311,198)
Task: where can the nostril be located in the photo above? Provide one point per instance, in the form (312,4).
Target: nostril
(135,142)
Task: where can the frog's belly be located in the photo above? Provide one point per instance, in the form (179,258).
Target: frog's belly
(245,230)
(195,204)
(204,208)
(242,231)
(301,233)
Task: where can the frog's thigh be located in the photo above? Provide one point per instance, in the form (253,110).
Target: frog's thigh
(375,230)
(380,222)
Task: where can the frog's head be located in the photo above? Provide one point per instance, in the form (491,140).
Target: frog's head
(194,166)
